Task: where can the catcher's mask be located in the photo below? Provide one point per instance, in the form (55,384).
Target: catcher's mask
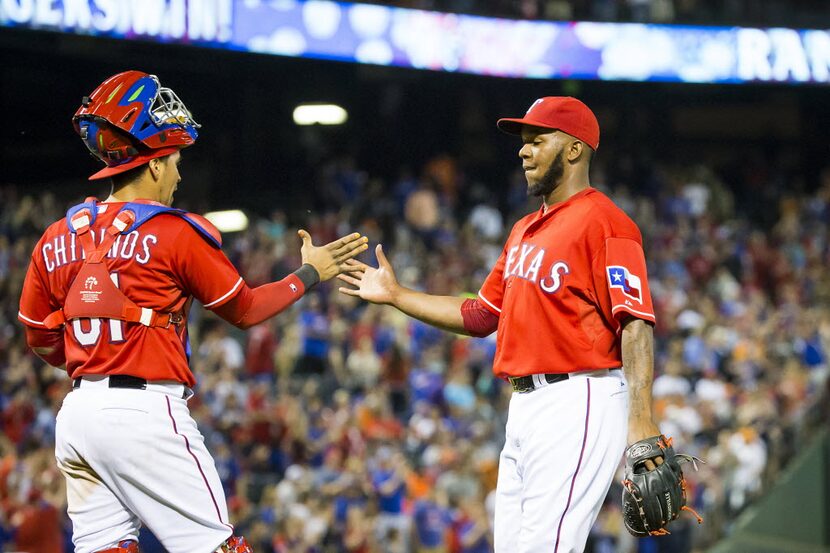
(130,119)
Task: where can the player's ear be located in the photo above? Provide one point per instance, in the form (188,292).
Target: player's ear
(576,150)
(155,168)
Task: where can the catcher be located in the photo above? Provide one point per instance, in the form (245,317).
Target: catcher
(107,295)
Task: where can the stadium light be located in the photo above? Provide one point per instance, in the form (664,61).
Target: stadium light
(320,114)
(232,220)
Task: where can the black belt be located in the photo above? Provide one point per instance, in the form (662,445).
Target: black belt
(130,382)
(524,384)
(120,381)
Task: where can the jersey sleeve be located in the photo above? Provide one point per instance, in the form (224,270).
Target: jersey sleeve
(492,291)
(626,279)
(479,321)
(35,299)
(204,270)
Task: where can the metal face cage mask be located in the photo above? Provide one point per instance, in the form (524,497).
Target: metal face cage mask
(167,108)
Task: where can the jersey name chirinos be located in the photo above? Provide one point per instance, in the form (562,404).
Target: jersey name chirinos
(65,249)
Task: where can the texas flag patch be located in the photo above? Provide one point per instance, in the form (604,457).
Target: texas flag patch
(625,280)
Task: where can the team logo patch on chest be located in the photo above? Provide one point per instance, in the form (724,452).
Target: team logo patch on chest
(90,291)
(625,280)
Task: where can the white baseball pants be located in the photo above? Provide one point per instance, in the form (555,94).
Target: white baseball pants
(133,457)
(564,442)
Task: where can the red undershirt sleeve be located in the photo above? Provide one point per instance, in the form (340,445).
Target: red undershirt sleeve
(47,344)
(251,306)
(478,320)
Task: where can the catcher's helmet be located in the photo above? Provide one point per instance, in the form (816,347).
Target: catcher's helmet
(130,119)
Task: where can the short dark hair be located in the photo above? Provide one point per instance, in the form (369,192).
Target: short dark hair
(129,176)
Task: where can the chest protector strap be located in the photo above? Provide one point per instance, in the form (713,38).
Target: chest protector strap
(93,294)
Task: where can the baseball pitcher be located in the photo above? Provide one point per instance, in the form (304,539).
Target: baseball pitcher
(570,301)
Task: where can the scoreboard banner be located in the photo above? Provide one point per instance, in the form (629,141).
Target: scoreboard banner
(437,41)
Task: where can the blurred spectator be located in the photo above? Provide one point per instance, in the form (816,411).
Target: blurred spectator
(422,213)
(363,365)
(432,520)
(389,482)
(260,350)
(474,534)
(314,332)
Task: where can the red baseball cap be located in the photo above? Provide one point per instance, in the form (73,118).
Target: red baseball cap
(563,113)
(137,160)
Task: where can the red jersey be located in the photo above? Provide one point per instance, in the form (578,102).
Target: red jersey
(564,281)
(161,265)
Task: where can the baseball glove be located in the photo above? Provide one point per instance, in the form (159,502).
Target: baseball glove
(653,498)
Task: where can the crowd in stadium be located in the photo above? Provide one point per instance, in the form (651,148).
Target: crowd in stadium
(342,427)
(708,12)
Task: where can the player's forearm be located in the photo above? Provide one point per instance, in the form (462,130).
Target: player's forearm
(250,307)
(638,365)
(443,312)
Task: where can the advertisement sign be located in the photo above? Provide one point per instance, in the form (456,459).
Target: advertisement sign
(437,41)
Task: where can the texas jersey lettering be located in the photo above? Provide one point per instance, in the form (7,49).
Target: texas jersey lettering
(516,259)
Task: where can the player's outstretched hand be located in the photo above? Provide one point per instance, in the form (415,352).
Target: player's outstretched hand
(373,284)
(330,260)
